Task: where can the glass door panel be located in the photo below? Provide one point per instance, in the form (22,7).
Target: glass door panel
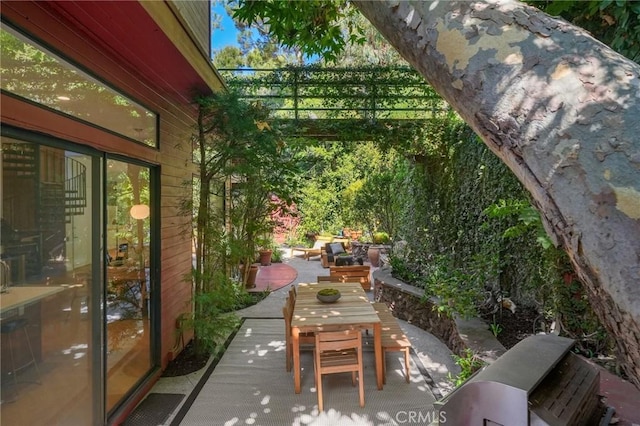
(48,279)
(128,284)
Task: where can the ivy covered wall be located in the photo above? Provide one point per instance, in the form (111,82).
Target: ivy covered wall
(472,237)
(453,180)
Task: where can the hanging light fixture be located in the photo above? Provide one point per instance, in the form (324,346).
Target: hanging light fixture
(139,211)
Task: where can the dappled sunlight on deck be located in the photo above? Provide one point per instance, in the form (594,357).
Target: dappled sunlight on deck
(250,385)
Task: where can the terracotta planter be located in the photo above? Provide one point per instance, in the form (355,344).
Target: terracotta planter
(253,273)
(374,257)
(265,257)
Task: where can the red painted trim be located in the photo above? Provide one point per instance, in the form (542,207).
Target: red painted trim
(117,40)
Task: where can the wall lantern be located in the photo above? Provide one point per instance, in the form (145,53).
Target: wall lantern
(139,211)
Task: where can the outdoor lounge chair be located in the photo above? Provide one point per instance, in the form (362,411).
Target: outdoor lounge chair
(331,251)
(316,250)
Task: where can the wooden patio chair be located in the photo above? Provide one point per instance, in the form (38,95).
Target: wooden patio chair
(338,352)
(338,279)
(305,338)
(355,273)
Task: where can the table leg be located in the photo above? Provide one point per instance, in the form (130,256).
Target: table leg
(295,342)
(377,342)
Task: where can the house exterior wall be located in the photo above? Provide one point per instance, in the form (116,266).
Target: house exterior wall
(125,44)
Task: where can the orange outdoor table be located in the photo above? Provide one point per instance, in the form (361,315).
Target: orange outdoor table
(352,310)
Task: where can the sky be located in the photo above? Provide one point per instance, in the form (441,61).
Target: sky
(227,34)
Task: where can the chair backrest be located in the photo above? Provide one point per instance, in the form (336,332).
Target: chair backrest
(339,279)
(345,241)
(287,314)
(335,248)
(355,273)
(345,270)
(339,340)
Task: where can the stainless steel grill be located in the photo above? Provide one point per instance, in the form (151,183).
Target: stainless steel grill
(537,382)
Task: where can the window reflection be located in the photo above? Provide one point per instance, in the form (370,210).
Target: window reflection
(127,259)
(46,269)
(27,70)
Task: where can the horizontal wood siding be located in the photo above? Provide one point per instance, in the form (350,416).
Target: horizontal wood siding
(196,15)
(175,244)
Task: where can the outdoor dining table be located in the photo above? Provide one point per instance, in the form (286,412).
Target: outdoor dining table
(352,310)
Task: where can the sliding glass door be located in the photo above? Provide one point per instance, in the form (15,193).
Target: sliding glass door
(50,275)
(128,289)
(76,308)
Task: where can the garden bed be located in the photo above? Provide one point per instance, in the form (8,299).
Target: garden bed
(410,304)
(488,342)
(510,328)
(187,361)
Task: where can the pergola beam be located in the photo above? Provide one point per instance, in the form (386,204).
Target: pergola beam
(378,99)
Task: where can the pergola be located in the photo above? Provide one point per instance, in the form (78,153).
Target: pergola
(360,103)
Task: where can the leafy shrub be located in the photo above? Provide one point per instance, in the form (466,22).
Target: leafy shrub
(469,363)
(404,270)
(454,289)
(276,255)
(214,321)
(381,238)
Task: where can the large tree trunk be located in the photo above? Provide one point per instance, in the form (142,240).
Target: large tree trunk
(562,110)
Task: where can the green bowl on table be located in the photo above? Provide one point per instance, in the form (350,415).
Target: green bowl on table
(328,295)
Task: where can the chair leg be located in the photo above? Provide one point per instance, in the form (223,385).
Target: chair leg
(289,354)
(14,368)
(318,378)
(13,362)
(361,387)
(384,367)
(33,358)
(319,390)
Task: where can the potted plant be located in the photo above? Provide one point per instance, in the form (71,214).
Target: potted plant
(328,295)
(265,251)
(254,268)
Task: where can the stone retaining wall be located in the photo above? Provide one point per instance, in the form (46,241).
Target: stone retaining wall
(409,304)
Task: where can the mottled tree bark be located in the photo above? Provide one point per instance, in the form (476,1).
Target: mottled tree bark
(562,110)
